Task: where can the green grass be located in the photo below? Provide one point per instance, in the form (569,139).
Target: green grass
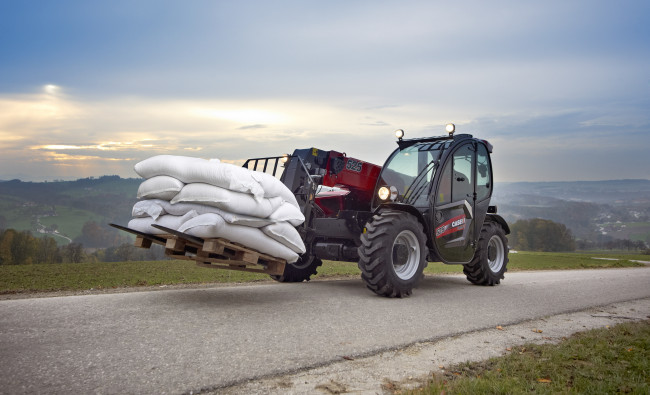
(105,275)
(631,230)
(561,261)
(70,221)
(600,361)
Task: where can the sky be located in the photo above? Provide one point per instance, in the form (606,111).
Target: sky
(561,89)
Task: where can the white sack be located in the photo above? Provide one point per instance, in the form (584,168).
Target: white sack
(168,221)
(159,187)
(286,234)
(213,226)
(288,212)
(231,201)
(155,207)
(148,208)
(274,187)
(192,170)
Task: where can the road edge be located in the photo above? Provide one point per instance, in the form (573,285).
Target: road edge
(411,366)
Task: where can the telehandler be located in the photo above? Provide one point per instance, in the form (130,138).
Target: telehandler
(430,201)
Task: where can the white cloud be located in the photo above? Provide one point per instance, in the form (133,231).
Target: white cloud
(242,79)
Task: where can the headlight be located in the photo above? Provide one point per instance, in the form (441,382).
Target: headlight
(386,193)
(284,158)
(399,133)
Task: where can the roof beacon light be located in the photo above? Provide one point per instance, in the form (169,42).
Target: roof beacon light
(399,133)
(451,128)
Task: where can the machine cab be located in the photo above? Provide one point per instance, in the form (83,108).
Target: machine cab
(448,181)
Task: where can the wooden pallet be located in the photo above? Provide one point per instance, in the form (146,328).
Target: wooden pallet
(215,253)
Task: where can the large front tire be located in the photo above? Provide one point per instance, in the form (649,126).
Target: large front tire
(491,257)
(300,271)
(392,254)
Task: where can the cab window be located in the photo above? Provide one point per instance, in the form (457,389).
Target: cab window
(456,178)
(483,173)
(461,180)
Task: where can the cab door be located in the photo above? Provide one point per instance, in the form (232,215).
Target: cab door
(454,206)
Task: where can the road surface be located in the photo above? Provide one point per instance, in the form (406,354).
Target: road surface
(188,340)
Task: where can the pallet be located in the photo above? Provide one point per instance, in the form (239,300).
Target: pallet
(215,253)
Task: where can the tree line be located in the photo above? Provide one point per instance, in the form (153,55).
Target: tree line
(23,248)
(610,243)
(545,235)
(541,235)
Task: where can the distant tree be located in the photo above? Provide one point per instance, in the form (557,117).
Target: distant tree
(6,241)
(541,235)
(24,248)
(73,253)
(18,248)
(94,235)
(624,244)
(48,251)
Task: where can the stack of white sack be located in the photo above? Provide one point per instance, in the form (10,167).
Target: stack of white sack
(210,199)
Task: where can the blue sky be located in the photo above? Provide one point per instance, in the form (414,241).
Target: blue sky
(560,88)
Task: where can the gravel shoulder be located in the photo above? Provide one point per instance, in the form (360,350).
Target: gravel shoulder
(411,367)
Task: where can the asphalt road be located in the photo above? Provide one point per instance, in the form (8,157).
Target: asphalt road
(178,341)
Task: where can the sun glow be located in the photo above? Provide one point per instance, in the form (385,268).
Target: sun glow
(106,146)
(244,116)
(51,89)
(59,157)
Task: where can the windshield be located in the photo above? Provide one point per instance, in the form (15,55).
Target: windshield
(411,170)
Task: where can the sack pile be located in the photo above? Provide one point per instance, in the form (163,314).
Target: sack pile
(210,199)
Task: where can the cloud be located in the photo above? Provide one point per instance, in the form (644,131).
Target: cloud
(547,82)
(256,126)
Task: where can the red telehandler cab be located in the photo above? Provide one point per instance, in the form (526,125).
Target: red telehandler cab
(429,202)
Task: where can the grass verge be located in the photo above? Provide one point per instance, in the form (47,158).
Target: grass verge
(603,361)
(106,275)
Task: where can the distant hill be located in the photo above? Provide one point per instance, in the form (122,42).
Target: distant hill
(591,209)
(60,209)
(614,192)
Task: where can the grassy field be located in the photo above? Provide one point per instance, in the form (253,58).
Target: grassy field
(107,275)
(630,230)
(601,361)
(69,220)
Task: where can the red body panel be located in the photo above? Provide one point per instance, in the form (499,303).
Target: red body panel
(356,177)
(331,202)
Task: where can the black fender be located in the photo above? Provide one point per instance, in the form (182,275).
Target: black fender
(499,220)
(411,210)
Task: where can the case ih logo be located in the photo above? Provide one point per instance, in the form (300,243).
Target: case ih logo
(453,225)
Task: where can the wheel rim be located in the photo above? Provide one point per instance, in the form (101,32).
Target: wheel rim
(406,255)
(303,262)
(496,253)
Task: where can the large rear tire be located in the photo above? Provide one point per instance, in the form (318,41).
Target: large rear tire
(392,254)
(301,270)
(491,257)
